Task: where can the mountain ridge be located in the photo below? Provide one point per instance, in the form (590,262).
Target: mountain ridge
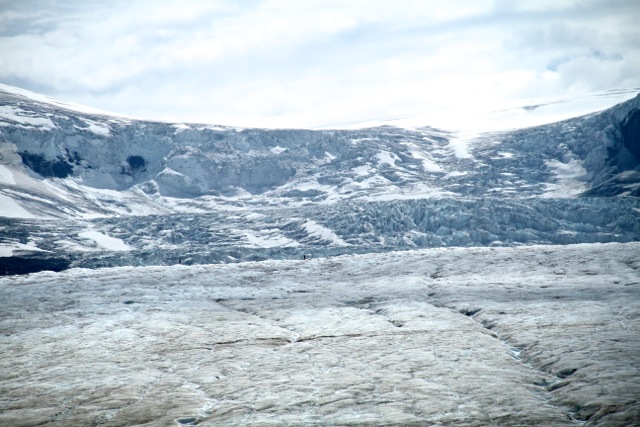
(188,161)
(206,193)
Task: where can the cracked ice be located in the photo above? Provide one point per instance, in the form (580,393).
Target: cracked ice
(539,335)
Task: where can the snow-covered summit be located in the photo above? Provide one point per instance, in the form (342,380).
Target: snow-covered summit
(507,116)
(72,107)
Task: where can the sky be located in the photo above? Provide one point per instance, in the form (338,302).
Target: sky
(314,63)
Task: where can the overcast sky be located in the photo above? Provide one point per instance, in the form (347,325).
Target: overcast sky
(314,63)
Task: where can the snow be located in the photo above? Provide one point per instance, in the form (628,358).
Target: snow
(268,238)
(568,176)
(539,335)
(6,177)
(220,128)
(427,163)
(169,171)
(460,144)
(323,233)
(97,128)
(476,119)
(254,216)
(17,115)
(55,102)
(387,158)
(364,170)
(9,208)
(415,192)
(104,241)
(277,149)
(7,250)
(455,174)
(180,127)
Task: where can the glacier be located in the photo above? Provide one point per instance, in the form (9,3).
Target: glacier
(409,271)
(207,193)
(531,335)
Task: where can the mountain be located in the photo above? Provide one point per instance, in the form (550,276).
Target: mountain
(499,320)
(81,187)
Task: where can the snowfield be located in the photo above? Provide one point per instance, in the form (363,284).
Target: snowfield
(536,335)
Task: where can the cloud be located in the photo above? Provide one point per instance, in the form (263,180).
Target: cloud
(312,63)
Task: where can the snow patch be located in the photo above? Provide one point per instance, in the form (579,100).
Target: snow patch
(427,164)
(460,145)
(7,112)
(417,191)
(52,101)
(104,241)
(356,141)
(277,149)
(323,233)
(364,170)
(169,171)
(6,250)
(9,208)
(6,177)
(455,174)
(97,128)
(568,177)
(253,216)
(503,116)
(385,157)
(180,127)
(270,238)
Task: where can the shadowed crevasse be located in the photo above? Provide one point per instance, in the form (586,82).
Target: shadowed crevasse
(631,133)
(136,162)
(56,168)
(31,264)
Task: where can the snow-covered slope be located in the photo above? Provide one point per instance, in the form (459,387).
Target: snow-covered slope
(81,153)
(204,193)
(509,116)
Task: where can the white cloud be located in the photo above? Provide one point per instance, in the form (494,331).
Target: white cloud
(314,62)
